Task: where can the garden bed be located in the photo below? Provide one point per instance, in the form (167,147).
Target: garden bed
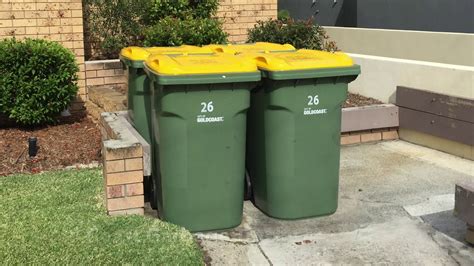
(355,100)
(74,140)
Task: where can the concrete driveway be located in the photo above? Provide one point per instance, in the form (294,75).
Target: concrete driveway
(395,207)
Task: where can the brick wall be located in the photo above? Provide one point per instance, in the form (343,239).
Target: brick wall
(56,20)
(357,137)
(241,15)
(105,72)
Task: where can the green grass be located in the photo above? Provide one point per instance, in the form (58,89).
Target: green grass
(59,218)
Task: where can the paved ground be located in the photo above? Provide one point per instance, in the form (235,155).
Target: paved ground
(395,207)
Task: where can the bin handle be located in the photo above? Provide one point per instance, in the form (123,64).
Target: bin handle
(155,61)
(262,59)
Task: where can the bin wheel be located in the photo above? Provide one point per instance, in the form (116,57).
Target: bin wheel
(248,193)
(153,197)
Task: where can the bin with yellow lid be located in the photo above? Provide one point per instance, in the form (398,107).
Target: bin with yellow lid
(139,95)
(200,105)
(293,132)
(258,47)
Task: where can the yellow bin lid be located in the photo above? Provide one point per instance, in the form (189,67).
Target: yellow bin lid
(300,60)
(136,53)
(199,64)
(257,47)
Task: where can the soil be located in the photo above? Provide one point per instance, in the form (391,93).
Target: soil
(354,100)
(73,140)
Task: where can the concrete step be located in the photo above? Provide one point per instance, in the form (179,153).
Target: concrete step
(107,98)
(93,110)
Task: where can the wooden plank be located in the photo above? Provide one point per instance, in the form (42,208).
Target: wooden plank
(435,103)
(464,202)
(448,128)
(369,117)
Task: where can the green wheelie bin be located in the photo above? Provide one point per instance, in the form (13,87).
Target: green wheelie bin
(200,105)
(258,47)
(139,95)
(293,132)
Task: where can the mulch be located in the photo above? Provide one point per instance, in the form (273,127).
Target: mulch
(73,140)
(355,100)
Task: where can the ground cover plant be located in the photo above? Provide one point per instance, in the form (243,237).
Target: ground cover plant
(59,218)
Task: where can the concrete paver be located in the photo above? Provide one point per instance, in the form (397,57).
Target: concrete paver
(401,241)
(395,207)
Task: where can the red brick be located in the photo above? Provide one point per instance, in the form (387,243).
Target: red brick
(124,178)
(134,164)
(115,166)
(115,79)
(389,135)
(369,137)
(134,189)
(95,81)
(115,191)
(105,73)
(125,203)
(350,139)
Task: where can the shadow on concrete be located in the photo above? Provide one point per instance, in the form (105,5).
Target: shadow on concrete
(446,223)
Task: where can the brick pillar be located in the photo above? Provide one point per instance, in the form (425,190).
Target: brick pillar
(123,172)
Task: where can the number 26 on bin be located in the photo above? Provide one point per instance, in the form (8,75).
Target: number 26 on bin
(207,107)
(313,100)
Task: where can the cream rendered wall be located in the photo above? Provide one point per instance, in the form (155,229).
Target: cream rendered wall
(381,75)
(440,47)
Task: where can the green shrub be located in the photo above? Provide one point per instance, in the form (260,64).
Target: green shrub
(299,33)
(174,31)
(114,24)
(204,8)
(283,14)
(38,79)
(182,9)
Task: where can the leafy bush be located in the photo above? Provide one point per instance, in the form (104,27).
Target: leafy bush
(299,33)
(114,24)
(173,32)
(38,79)
(182,9)
(283,14)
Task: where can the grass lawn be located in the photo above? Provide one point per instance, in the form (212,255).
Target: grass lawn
(59,218)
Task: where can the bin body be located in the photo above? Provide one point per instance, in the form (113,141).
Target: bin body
(200,123)
(293,150)
(139,93)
